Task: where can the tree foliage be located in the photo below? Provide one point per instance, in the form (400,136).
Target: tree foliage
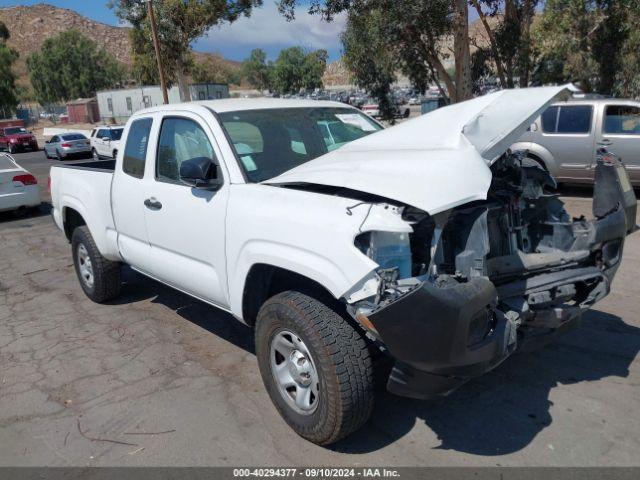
(8,90)
(179,22)
(584,41)
(296,70)
(256,70)
(413,34)
(71,66)
(215,70)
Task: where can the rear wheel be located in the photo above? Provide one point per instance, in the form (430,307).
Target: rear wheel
(58,157)
(99,277)
(315,366)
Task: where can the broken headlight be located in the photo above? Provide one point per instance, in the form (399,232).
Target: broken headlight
(387,249)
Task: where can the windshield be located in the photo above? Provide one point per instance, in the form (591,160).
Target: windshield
(116,133)
(14,130)
(270,142)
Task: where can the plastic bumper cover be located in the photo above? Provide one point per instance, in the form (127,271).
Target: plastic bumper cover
(429,332)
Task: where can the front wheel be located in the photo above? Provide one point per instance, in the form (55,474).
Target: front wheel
(316,367)
(99,277)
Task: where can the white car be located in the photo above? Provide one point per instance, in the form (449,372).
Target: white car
(18,188)
(428,242)
(105,141)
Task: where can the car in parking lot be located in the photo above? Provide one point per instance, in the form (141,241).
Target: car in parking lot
(567,135)
(17,139)
(105,141)
(18,187)
(67,145)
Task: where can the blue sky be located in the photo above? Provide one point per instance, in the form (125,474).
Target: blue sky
(266,29)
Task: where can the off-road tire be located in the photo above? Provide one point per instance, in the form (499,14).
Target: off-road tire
(343,362)
(106,274)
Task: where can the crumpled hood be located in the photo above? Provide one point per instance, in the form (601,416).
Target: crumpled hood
(434,162)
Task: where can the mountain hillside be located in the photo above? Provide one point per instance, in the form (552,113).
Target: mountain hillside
(31,26)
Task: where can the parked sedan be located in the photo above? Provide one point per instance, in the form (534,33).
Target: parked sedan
(67,145)
(18,188)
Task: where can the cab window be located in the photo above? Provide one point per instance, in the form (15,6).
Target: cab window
(181,139)
(135,151)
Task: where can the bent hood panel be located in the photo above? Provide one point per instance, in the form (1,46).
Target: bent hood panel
(436,161)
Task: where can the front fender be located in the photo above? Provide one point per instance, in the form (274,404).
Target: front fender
(336,277)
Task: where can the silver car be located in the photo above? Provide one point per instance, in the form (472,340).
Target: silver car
(67,145)
(565,138)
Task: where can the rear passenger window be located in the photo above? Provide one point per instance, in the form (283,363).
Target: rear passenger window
(622,120)
(181,139)
(135,151)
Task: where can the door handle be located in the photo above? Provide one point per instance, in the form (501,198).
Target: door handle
(152,204)
(605,142)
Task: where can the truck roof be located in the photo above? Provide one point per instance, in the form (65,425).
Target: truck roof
(239,104)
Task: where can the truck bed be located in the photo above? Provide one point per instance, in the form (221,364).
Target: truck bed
(100,165)
(86,188)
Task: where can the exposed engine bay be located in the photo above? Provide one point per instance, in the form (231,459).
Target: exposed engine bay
(476,282)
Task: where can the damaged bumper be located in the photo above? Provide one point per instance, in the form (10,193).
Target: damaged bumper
(441,334)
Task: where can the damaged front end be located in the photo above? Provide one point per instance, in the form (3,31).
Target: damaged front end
(467,287)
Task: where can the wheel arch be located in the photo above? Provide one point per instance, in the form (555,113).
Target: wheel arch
(540,154)
(71,219)
(263,281)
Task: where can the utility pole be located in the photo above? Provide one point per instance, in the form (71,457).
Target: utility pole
(156,46)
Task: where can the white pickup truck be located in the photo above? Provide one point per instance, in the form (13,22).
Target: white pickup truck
(427,244)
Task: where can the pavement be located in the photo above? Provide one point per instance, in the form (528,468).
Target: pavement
(157,378)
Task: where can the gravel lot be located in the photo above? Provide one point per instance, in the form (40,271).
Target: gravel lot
(158,378)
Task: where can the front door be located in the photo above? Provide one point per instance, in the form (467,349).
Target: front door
(185,225)
(567,132)
(619,132)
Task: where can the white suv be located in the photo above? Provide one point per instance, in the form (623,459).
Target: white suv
(105,141)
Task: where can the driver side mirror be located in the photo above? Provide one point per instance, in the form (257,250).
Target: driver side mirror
(202,173)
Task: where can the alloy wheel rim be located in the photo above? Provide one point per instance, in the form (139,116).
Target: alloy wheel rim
(85,266)
(294,372)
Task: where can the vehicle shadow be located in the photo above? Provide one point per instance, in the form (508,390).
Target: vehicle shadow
(496,414)
(25,214)
(503,411)
(136,287)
